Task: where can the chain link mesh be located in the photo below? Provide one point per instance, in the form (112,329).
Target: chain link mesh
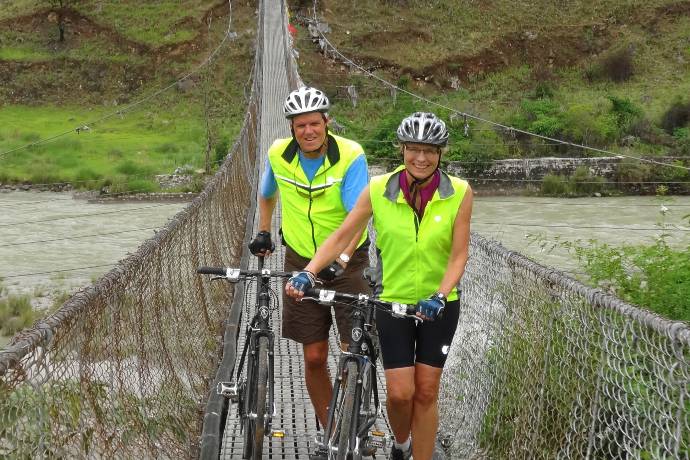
(122,369)
(544,367)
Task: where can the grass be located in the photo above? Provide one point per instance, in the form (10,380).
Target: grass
(141,144)
(155,23)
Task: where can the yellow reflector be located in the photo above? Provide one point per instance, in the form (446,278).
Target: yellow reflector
(378,433)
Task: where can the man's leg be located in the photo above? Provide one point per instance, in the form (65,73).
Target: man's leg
(317,378)
(400,389)
(425,410)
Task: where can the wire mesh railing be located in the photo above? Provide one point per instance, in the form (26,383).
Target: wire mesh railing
(545,367)
(123,368)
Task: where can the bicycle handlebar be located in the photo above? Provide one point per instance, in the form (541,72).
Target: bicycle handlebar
(328,297)
(235,274)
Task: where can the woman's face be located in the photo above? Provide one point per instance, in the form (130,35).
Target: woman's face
(421,159)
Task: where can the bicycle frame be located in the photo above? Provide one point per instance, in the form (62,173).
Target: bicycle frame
(362,353)
(255,394)
(258,327)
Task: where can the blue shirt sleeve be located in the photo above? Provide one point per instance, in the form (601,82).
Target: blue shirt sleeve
(356,178)
(268,181)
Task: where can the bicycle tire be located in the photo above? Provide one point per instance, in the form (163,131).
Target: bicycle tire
(249,398)
(347,413)
(261,391)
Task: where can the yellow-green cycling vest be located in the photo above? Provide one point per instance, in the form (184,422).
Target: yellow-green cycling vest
(413,254)
(312,210)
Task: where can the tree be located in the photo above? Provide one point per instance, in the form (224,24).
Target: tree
(59,7)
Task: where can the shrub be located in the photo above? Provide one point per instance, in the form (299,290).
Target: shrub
(541,116)
(587,124)
(130,168)
(581,183)
(16,313)
(142,186)
(584,183)
(554,185)
(677,116)
(475,161)
(616,65)
(640,274)
(30,137)
(632,171)
(625,112)
(44,173)
(221,150)
(87,178)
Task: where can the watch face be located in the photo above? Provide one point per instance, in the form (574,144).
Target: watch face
(345,258)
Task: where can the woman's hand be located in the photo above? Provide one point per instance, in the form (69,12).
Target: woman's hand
(300,283)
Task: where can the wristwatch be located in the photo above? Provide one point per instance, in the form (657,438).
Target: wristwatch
(344,257)
(440,296)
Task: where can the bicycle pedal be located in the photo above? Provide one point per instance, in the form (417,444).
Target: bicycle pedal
(278,434)
(229,390)
(378,439)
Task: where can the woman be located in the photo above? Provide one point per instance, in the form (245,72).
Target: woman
(422,221)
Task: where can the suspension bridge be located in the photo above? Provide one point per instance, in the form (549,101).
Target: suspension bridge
(542,366)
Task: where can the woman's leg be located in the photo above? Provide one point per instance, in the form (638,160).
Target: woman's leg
(425,410)
(400,388)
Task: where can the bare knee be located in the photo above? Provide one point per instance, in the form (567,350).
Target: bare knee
(426,395)
(400,392)
(315,356)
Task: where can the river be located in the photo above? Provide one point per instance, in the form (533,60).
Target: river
(51,243)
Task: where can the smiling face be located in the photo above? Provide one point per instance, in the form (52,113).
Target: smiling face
(421,160)
(310,131)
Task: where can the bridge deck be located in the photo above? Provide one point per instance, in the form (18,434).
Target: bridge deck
(294,412)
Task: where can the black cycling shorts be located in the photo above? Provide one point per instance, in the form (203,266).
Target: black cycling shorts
(404,342)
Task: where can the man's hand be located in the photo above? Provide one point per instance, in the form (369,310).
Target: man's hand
(262,245)
(331,272)
(299,284)
(431,308)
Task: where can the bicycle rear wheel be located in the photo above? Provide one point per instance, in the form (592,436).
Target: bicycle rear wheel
(345,414)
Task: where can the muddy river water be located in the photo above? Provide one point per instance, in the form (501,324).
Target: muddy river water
(50,242)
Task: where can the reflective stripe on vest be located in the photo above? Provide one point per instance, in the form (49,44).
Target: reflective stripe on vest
(311,210)
(413,255)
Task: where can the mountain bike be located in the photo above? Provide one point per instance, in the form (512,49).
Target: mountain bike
(253,392)
(351,415)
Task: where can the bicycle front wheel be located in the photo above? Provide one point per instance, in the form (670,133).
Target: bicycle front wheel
(259,423)
(347,414)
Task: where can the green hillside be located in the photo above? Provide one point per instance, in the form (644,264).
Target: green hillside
(113,54)
(611,74)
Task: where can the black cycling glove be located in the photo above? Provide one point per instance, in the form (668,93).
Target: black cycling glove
(331,272)
(262,242)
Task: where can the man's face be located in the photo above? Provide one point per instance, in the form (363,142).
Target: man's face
(310,131)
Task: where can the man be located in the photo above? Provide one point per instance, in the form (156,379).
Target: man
(319,177)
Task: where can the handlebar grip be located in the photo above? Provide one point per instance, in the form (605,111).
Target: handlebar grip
(220,271)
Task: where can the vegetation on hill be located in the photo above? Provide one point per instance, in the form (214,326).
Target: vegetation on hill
(612,75)
(71,63)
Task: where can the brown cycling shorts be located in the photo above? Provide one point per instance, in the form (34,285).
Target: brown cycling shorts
(309,322)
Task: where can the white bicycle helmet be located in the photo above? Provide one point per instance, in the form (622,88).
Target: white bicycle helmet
(423,128)
(304,100)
